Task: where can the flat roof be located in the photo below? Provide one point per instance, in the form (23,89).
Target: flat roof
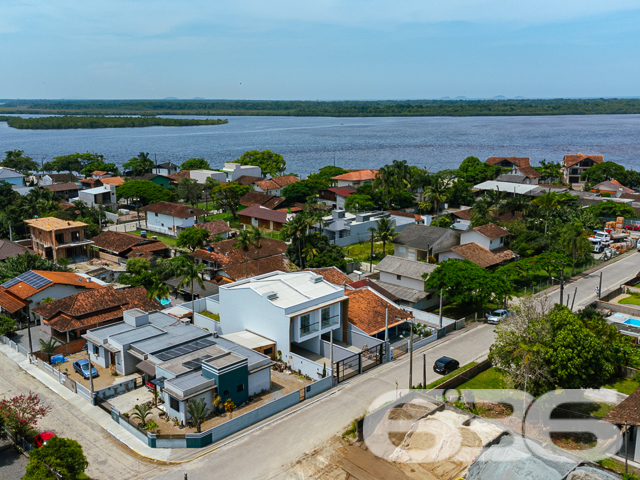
(103,333)
(225,359)
(53,223)
(505,187)
(137,334)
(176,365)
(248,339)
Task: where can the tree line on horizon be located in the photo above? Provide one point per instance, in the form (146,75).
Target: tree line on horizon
(72,121)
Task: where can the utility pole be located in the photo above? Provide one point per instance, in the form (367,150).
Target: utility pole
(574,298)
(441,308)
(428,247)
(424,370)
(90,373)
(600,287)
(331,355)
(411,356)
(387,348)
(562,285)
(626,448)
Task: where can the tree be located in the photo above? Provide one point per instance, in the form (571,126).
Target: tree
(189,190)
(385,180)
(385,232)
(8,326)
(548,204)
(138,265)
(437,191)
(244,242)
(473,171)
(328,255)
(270,163)
(229,406)
(139,165)
(195,164)
(465,282)
(226,196)
(294,231)
(609,208)
(550,262)
(601,172)
(62,454)
(442,222)
(325,174)
(16,160)
(64,163)
(144,191)
(549,170)
(141,412)
(460,193)
(21,414)
(299,192)
(358,203)
(209,185)
(575,238)
(193,238)
(198,412)
(190,273)
(14,266)
(48,347)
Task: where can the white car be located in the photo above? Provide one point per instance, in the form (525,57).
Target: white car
(496,316)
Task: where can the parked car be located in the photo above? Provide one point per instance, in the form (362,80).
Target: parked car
(43,438)
(445,365)
(82,367)
(495,316)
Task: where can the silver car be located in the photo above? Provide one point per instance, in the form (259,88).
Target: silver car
(496,316)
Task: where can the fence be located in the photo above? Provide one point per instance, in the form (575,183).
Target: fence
(347,368)
(83,391)
(117,389)
(128,227)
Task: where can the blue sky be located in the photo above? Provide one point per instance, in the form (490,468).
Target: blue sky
(319,49)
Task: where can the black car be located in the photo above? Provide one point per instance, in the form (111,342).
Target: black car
(445,365)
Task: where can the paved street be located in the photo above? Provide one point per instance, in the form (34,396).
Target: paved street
(267,453)
(612,276)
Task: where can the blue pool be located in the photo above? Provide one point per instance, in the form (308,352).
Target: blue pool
(632,321)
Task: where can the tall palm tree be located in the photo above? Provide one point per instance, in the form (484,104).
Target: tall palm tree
(191,273)
(198,412)
(294,230)
(257,236)
(575,238)
(158,290)
(374,232)
(437,191)
(385,180)
(402,171)
(548,204)
(48,347)
(386,232)
(244,243)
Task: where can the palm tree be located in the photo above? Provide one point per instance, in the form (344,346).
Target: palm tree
(402,171)
(48,347)
(198,412)
(209,185)
(548,204)
(141,412)
(294,230)
(385,180)
(244,242)
(257,236)
(575,238)
(374,233)
(191,272)
(437,191)
(385,231)
(309,252)
(158,290)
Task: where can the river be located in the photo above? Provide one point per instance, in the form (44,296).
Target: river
(308,143)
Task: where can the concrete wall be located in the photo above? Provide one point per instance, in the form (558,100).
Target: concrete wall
(207,323)
(167,224)
(359,340)
(116,389)
(339,353)
(260,381)
(304,365)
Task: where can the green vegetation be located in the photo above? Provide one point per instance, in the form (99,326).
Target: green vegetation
(63,454)
(168,241)
(394,108)
(143,191)
(440,381)
(71,121)
(492,378)
(618,466)
(632,300)
(16,160)
(212,316)
(270,163)
(623,385)
(195,164)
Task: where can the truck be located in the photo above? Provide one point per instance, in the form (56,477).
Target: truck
(603,239)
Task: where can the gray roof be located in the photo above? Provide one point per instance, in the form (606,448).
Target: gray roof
(255,359)
(8,173)
(422,237)
(10,249)
(175,335)
(209,289)
(405,267)
(136,334)
(102,333)
(225,359)
(511,178)
(189,384)
(404,293)
(176,365)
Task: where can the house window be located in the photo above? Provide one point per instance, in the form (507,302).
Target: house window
(240,387)
(268,351)
(306,327)
(96,350)
(225,393)
(402,249)
(156,214)
(174,404)
(398,277)
(325,315)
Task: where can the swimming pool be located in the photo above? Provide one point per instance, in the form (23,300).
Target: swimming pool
(632,321)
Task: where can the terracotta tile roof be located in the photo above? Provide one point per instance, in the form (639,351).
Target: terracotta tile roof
(86,309)
(173,209)
(23,290)
(517,161)
(117,242)
(9,302)
(343,191)
(492,231)
(178,175)
(480,255)
(224,253)
(331,275)
(367,282)
(62,187)
(633,196)
(52,223)
(91,182)
(292,209)
(367,311)
(258,267)
(628,410)
(613,186)
(359,175)
(465,214)
(509,216)
(148,249)
(264,213)
(275,183)
(529,172)
(99,172)
(117,181)
(248,179)
(259,198)
(215,227)
(570,160)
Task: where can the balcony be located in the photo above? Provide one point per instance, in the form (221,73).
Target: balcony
(308,328)
(330,322)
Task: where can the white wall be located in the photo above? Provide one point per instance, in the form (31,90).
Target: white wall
(161,223)
(259,381)
(474,237)
(403,281)
(450,255)
(201,175)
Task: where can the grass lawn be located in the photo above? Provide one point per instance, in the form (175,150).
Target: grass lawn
(630,300)
(361,251)
(623,385)
(464,368)
(168,241)
(491,378)
(617,466)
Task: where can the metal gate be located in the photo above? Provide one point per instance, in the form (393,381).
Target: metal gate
(348,367)
(372,357)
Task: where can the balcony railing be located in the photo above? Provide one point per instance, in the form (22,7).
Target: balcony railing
(330,322)
(308,328)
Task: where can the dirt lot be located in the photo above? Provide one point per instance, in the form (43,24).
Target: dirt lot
(104,378)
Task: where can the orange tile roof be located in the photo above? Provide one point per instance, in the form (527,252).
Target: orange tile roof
(570,160)
(9,302)
(480,255)
(117,181)
(181,174)
(358,175)
(275,263)
(367,311)
(529,172)
(332,275)
(517,161)
(173,209)
(465,214)
(50,224)
(492,231)
(99,172)
(24,291)
(224,253)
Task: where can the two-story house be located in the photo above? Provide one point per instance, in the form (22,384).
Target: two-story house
(573,166)
(416,242)
(233,171)
(293,309)
(508,162)
(335,197)
(264,217)
(104,195)
(54,238)
(274,185)
(64,191)
(166,168)
(484,245)
(405,279)
(345,228)
(170,218)
(355,179)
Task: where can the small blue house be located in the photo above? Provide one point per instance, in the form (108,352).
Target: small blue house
(11,176)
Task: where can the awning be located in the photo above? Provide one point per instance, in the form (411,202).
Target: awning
(146,367)
(158,382)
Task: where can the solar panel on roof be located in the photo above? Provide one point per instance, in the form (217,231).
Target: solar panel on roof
(31,278)
(184,349)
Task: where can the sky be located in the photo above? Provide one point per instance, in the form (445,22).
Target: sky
(318,49)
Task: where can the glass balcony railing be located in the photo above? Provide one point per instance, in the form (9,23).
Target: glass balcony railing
(308,328)
(330,322)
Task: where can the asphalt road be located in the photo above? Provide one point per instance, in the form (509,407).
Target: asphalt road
(267,453)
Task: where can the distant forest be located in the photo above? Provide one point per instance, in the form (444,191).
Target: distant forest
(385,108)
(69,121)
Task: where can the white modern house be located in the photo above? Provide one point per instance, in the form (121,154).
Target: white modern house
(201,176)
(233,171)
(104,195)
(294,309)
(170,218)
(344,228)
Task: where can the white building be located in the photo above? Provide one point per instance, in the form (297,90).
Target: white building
(233,171)
(201,176)
(170,218)
(104,195)
(488,236)
(404,279)
(166,169)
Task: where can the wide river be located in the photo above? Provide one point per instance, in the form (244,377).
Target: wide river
(309,143)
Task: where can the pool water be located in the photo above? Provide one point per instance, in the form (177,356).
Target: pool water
(164,301)
(632,321)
